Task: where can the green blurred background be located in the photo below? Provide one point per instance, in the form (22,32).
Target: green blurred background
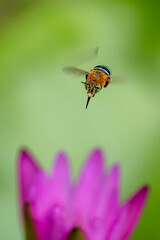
(44,110)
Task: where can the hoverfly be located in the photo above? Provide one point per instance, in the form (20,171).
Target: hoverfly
(96,79)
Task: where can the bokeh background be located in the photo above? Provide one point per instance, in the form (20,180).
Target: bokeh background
(43,109)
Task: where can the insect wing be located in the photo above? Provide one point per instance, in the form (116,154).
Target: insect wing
(119,79)
(89,55)
(75,71)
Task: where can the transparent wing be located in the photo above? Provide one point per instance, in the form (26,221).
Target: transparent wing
(89,54)
(119,79)
(75,71)
(84,56)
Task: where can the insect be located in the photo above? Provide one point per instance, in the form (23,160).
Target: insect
(96,79)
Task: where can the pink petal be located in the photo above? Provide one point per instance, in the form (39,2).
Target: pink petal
(112,197)
(109,194)
(88,185)
(52,190)
(106,205)
(61,179)
(129,216)
(41,190)
(27,172)
(50,200)
(53,225)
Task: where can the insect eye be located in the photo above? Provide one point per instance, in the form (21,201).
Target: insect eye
(86,76)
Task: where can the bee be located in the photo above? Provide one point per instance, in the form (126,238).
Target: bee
(97,78)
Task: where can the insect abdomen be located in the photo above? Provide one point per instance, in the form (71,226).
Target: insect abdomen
(104,69)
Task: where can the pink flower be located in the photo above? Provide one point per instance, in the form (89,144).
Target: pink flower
(55,208)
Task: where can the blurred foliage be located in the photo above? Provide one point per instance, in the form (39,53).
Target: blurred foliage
(43,109)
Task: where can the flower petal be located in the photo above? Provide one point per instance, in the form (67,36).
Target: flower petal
(27,172)
(52,190)
(105,204)
(61,179)
(50,200)
(129,215)
(109,193)
(88,185)
(53,225)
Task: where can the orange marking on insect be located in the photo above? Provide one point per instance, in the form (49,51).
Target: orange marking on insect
(97,77)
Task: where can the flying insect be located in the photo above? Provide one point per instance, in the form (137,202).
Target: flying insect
(97,78)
